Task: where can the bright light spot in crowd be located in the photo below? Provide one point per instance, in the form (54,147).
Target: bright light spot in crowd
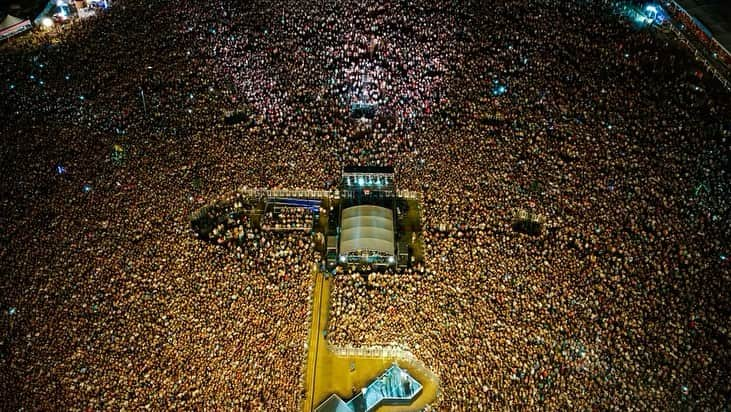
(651,9)
(361,181)
(499,90)
(11,311)
(86,188)
(723,257)
(81,97)
(67,77)
(47,22)
(342,258)
(391,260)
(32,77)
(60,169)
(41,82)
(12,86)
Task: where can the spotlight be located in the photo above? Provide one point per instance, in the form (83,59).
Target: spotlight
(499,90)
(47,22)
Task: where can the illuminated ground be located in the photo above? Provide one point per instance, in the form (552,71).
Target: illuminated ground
(336,370)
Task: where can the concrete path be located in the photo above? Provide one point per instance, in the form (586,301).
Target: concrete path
(345,371)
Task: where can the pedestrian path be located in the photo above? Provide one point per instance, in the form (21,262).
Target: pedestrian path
(346,371)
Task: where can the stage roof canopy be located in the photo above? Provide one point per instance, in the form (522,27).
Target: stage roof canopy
(367,228)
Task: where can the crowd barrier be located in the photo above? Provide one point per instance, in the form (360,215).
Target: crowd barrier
(720,53)
(313,194)
(380,352)
(292,193)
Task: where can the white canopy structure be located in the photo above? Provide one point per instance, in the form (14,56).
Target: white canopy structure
(367,229)
(11,25)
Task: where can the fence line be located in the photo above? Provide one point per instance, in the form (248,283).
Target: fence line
(259,193)
(698,54)
(379,352)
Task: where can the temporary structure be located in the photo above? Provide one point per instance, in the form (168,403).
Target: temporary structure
(11,26)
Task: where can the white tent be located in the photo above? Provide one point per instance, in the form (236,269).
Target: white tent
(367,228)
(12,25)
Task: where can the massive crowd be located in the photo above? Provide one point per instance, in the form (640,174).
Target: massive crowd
(109,300)
(288,218)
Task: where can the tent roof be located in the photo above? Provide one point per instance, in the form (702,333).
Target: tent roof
(333,404)
(9,21)
(367,227)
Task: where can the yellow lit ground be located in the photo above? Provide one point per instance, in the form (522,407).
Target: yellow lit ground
(332,370)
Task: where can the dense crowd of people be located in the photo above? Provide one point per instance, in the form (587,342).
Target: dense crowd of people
(288,218)
(558,108)
(690,26)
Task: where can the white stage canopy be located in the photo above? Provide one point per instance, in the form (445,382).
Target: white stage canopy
(367,228)
(10,26)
